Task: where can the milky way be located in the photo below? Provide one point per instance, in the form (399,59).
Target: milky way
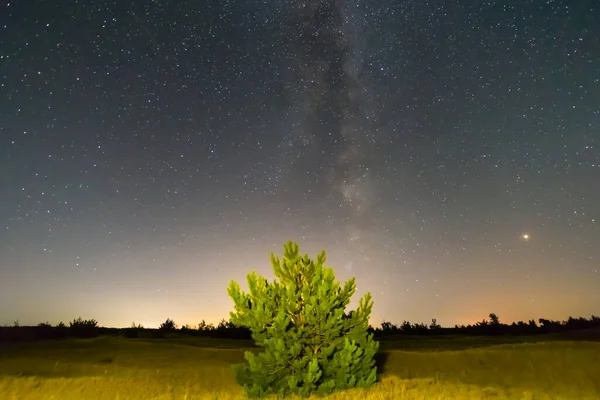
(333,113)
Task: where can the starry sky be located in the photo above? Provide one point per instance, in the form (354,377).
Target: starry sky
(444,153)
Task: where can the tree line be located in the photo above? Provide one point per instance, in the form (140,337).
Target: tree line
(89,328)
(491,326)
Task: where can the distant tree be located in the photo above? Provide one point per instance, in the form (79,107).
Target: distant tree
(310,344)
(84,328)
(134,330)
(168,326)
(206,328)
(187,328)
(388,327)
(420,328)
(223,325)
(578,323)
(434,325)
(483,323)
(61,330)
(80,322)
(44,330)
(532,324)
(406,326)
(494,320)
(202,326)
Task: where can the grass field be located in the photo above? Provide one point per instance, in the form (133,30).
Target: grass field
(196,368)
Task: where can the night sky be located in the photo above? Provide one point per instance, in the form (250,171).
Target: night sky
(446,155)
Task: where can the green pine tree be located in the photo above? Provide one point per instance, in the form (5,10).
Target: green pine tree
(309,343)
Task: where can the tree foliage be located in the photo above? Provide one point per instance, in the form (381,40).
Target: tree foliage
(310,343)
(169,325)
(84,328)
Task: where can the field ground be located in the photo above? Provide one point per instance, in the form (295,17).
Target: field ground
(199,368)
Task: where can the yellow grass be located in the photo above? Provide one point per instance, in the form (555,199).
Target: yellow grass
(118,368)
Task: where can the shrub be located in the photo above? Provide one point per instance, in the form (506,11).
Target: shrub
(310,344)
(168,326)
(133,331)
(84,328)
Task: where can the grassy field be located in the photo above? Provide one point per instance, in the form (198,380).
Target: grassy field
(196,368)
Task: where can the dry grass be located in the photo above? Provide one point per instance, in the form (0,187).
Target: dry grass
(113,368)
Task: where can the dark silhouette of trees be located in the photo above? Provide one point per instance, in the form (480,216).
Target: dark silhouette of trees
(406,327)
(494,320)
(204,327)
(79,328)
(491,327)
(389,328)
(134,330)
(83,328)
(168,326)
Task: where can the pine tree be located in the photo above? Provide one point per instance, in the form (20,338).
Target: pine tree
(309,343)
